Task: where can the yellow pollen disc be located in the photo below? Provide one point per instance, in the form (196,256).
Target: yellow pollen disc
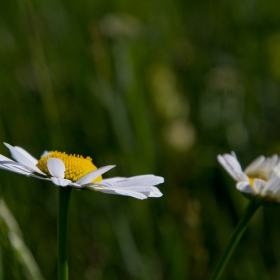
(251,180)
(76,166)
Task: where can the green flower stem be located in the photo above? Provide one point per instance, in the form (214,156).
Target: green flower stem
(62,262)
(251,209)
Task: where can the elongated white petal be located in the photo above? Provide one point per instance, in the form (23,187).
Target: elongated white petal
(275,172)
(241,177)
(14,167)
(227,167)
(149,191)
(232,166)
(139,187)
(3,158)
(74,185)
(155,192)
(254,165)
(141,180)
(258,185)
(60,181)
(27,155)
(56,167)
(44,154)
(131,193)
(120,192)
(272,186)
(110,182)
(232,162)
(234,155)
(39,177)
(245,187)
(23,158)
(262,166)
(94,174)
(274,161)
(17,168)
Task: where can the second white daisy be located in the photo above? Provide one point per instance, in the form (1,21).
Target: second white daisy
(260,178)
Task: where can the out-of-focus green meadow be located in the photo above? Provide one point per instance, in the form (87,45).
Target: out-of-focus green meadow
(157,87)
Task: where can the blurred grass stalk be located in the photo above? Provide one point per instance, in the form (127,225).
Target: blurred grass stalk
(237,234)
(41,69)
(21,253)
(62,260)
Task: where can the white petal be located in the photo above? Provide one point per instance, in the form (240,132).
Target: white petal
(145,180)
(233,162)
(274,160)
(240,176)
(56,167)
(29,156)
(44,154)
(259,185)
(14,167)
(120,192)
(3,158)
(262,166)
(149,191)
(60,181)
(234,155)
(139,187)
(24,158)
(253,166)
(93,175)
(110,182)
(142,180)
(232,166)
(75,185)
(39,177)
(245,187)
(272,186)
(155,192)
(275,172)
(131,193)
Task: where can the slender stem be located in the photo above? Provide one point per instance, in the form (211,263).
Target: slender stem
(239,230)
(62,262)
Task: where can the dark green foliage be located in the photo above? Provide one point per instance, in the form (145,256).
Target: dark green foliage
(154,87)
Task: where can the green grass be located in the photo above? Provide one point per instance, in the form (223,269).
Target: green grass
(156,87)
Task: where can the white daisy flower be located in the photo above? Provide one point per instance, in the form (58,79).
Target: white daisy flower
(261,178)
(78,172)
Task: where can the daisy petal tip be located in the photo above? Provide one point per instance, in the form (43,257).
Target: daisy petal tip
(44,154)
(56,167)
(111,166)
(60,181)
(155,192)
(8,145)
(245,188)
(220,159)
(161,179)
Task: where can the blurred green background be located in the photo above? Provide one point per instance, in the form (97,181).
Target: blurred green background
(156,87)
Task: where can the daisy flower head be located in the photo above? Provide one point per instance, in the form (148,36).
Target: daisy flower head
(260,179)
(78,172)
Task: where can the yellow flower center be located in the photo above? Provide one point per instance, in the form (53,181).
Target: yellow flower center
(76,166)
(251,180)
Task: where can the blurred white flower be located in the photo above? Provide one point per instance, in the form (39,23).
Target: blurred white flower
(78,172)
(261,178)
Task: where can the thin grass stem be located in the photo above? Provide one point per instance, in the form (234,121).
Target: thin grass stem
(238,232)
(62,261)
